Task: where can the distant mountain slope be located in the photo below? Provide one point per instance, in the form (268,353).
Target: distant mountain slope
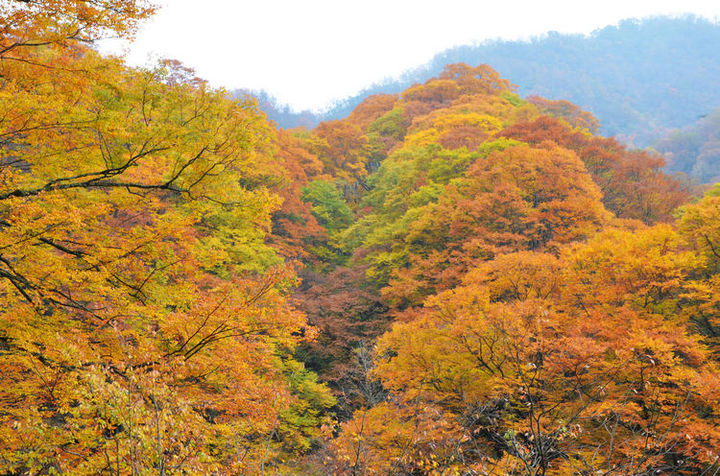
(639,78)
(695,149)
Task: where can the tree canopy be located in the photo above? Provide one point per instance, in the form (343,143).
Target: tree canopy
(451,280)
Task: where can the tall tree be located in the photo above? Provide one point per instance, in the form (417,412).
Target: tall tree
(145,323)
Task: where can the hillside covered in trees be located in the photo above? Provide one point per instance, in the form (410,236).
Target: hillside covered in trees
(451,280)
(694,150)
(640,78)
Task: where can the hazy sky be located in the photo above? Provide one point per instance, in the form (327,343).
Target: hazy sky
(311,52)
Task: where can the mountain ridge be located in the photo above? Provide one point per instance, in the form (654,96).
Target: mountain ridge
(649,88)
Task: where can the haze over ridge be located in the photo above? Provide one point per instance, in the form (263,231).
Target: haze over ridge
(640,78)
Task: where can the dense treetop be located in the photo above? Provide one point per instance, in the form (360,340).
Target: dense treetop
(550,315)
(450,280)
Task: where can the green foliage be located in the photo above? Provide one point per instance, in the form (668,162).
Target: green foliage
(514,99)
(486,148)
(714,191)
(328,205)
(300,424)
(392,124)
(151,230)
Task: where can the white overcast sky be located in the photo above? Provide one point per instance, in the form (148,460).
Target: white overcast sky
(308,53)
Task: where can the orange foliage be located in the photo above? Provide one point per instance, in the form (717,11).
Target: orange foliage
(342,148)
(567,111)
(145,324)
(518,198)
(371,109)
(632,181)
(539,376)
(294,226)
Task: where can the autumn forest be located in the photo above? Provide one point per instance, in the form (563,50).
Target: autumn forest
(451,280)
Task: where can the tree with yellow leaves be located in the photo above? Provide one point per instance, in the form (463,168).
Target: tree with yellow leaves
(145,323)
